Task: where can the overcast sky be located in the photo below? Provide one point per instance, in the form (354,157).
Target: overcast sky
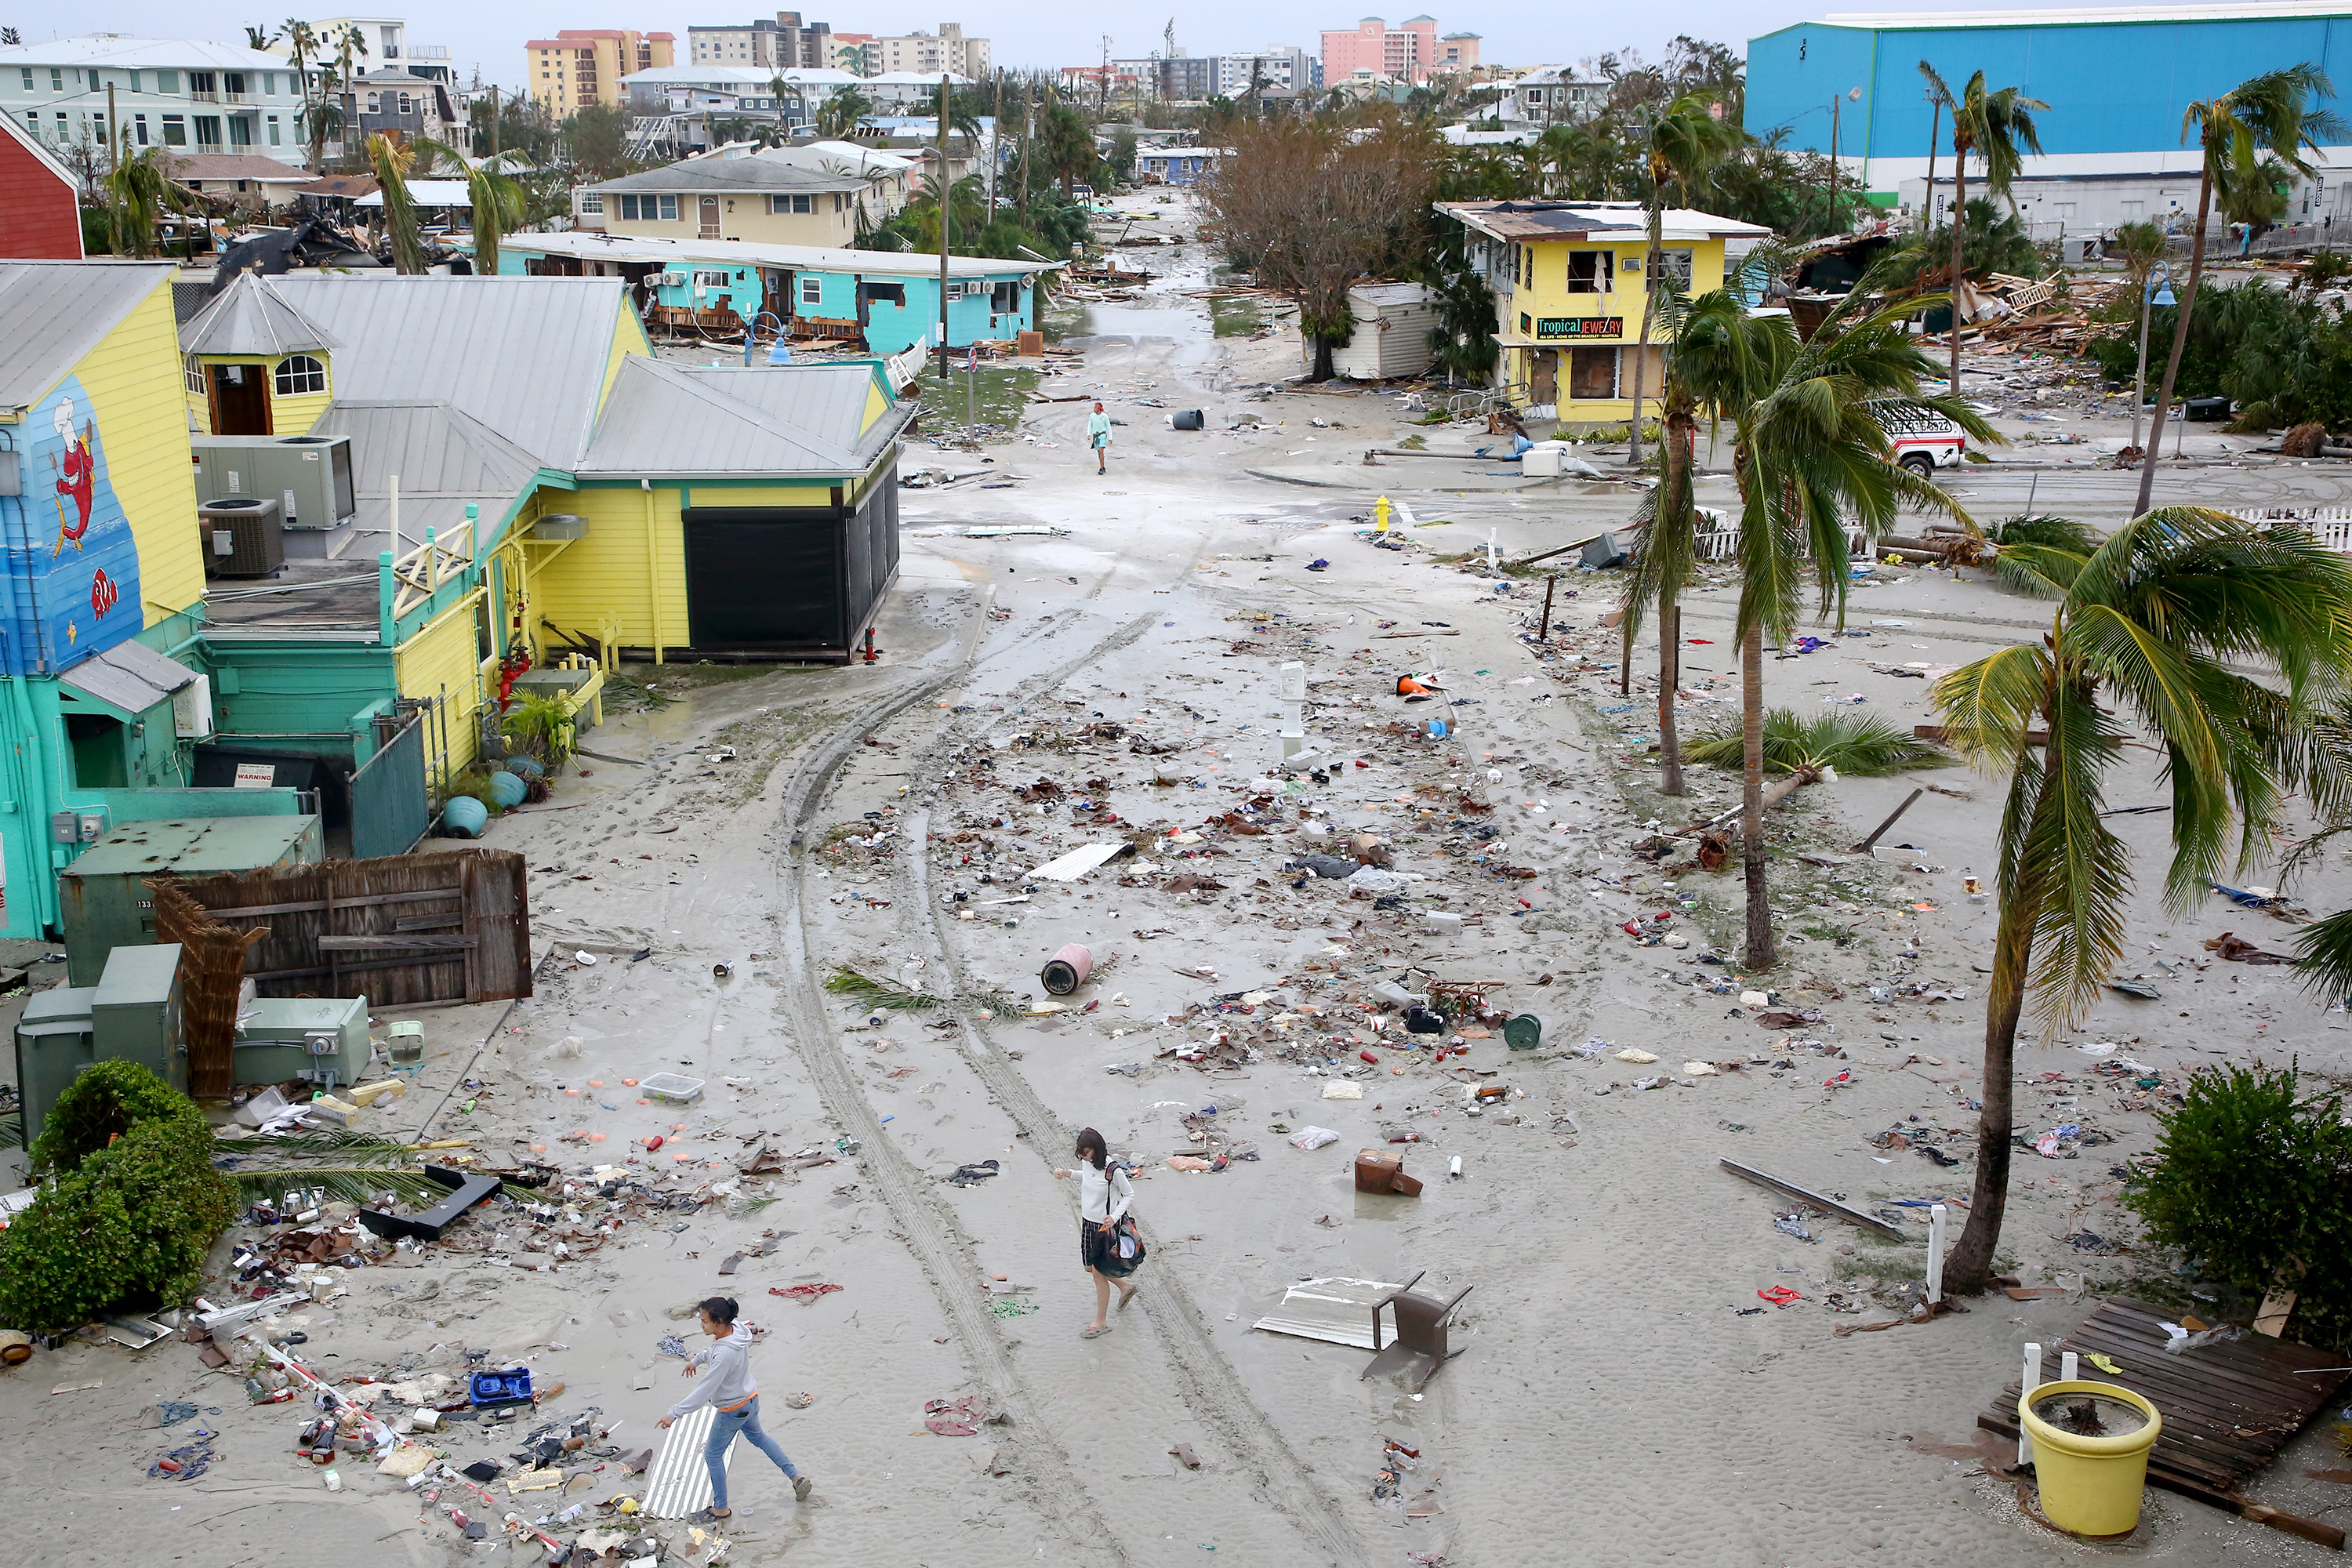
(491,36)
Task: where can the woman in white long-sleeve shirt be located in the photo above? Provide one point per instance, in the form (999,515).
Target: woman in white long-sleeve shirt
(1104,1195)
(729,1388)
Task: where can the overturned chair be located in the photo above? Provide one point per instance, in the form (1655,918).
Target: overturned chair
(1420,1348)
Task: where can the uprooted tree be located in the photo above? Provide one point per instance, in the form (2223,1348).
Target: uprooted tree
(1313,208)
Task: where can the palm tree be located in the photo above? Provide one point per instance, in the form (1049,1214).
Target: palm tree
(2154,621)
(1668,557)
(1999,128)
(392,163)
(140,189)
(500,206)
(1812,459)
(2141,246)
(2275,113)
(838,115)
(348,46)
(1685,141)
(302,46)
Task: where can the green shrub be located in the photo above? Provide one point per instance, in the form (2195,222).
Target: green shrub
(128,1229)
(2255,1186)
(105,1100)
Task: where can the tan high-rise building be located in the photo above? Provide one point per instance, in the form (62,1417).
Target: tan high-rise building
(581,65)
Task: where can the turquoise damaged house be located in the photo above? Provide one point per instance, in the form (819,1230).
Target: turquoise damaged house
(889,299)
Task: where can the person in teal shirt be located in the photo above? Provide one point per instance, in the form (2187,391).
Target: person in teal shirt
(1098,437)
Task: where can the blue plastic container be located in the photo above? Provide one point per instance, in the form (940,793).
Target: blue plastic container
(522,767)
(508,790)
(491,1389)
(464,817)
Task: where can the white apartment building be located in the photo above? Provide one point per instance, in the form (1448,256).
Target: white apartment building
(167,92)
(387,44)
(1281,66)
(1554,95)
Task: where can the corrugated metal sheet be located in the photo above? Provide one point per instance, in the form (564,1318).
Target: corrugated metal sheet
(54,312)
(524,355)
(130,678)
(788,420)
(249,317)
(679,1482)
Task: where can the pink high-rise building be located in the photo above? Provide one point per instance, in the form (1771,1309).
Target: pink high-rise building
(1406,53)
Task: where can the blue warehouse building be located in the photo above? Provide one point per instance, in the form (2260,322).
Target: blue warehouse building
(2117,80)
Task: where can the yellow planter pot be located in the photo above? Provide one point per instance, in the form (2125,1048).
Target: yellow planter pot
(2091,1486)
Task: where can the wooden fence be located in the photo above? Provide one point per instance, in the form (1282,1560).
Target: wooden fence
(403,930)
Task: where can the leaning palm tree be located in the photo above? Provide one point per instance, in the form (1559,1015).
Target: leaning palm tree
(1814,460)
(2154,623)
(1686,141)
(838,115)
(2273,113)
(392,163)
(1996,127)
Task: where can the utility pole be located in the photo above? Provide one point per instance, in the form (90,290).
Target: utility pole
(1102,87)
(113,132)
(494,125)
(1836,103)
(1027,155)
(1935,129)
(939,193)
(995,142)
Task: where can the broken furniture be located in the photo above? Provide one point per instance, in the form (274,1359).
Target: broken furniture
(1420,1347)
(429,1225)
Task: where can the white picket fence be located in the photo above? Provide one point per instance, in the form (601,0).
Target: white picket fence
(1721,541)
(2328,525)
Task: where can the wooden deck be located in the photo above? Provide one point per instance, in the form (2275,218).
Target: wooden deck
(2228,1408)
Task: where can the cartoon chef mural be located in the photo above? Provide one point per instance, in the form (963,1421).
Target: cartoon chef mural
(86,590)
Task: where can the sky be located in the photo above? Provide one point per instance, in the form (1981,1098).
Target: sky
(491,36)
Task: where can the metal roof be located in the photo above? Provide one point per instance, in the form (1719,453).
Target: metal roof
(53,313)
(2230,11)
(525,356)
(426,194)
(592,246)
(249,317)
(667,419)
(1540,220)
(188,167)
(130,678)
(743,173)
(119,51)
(435,449)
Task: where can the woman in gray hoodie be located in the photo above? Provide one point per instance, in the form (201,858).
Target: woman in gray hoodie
(729,1389)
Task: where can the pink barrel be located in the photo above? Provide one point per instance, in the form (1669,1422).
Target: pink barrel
(1067,969)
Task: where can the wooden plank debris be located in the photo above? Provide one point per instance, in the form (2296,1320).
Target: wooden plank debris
(1828,1206)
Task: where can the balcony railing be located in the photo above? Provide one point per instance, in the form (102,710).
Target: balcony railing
(201,96)
(235,97)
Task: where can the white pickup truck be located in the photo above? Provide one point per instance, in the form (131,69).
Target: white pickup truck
(1924,442)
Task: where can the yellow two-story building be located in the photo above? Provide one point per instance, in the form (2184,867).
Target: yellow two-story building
(1570,303)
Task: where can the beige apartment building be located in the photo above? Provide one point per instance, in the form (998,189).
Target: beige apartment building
(921,54)
(581,65)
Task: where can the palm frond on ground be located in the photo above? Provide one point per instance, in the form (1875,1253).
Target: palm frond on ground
(345,1166)
(1855,743)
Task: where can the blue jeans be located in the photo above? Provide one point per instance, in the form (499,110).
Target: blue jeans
(724,1427)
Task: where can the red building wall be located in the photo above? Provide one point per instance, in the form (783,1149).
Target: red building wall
(39,217)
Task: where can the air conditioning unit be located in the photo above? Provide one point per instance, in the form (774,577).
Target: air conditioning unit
(192,710)
(309,476)
(672,280)
(242,537)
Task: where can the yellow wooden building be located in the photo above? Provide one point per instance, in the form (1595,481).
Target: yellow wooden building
(1570,301)
(530,483)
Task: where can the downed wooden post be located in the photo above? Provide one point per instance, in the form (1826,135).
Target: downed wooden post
(1892,818)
